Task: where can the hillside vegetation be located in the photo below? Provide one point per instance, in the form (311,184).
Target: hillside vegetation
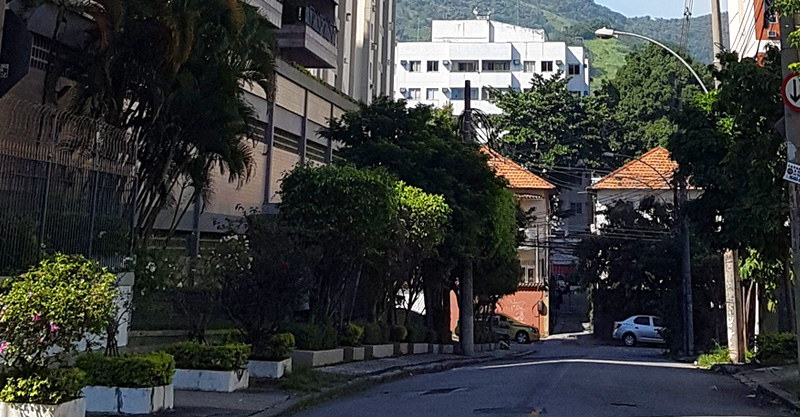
(563,20)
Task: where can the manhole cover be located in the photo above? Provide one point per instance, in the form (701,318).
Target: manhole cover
(439,391)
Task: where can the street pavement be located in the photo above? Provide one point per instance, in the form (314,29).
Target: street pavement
(567,375)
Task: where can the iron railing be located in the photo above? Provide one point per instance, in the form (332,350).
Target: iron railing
(67,184)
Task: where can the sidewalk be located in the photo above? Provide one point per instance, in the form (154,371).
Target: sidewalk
(266,400)
(780,383)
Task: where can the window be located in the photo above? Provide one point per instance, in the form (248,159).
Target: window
(414,66)
(286,141)
(642,321)
(414,93)
(433,66)
(657,322)
(547,66)
(316,152)
(496,66)
(529,66)
(431,93)
(464,66)
(458,93)
(258,130)
(574,69)
(490,93)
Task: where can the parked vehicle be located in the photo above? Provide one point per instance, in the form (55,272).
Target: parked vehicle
(514,330)
(635,329)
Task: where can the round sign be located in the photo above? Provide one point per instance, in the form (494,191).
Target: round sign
(791,91)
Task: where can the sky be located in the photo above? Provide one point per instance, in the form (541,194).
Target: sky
(658,8)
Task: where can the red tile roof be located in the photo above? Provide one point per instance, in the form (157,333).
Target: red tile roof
(652,171)
(517,176)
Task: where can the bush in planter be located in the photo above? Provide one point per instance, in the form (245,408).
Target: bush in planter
(774,348)
(55,304)
(276,348)
(313,336)
(398,334)
(127,371)
(351,335)
(373,334)
(416,334)
(54,386)
(191,355)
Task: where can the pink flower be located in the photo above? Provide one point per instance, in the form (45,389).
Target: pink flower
(36,317)
(53,327)
(3,346)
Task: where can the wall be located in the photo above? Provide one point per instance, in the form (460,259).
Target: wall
(523,307)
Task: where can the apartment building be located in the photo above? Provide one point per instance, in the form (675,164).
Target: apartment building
(753,26)
(491,55)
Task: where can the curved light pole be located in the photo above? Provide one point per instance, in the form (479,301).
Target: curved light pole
(681,198)
(606,33)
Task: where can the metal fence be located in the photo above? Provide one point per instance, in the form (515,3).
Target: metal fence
(67,184)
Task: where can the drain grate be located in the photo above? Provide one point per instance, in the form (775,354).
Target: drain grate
(508,410)
(623,404)
(439,391)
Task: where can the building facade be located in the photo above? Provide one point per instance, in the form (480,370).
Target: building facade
(491,55)
(753,26)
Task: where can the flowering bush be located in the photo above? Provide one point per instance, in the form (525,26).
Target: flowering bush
(45,312)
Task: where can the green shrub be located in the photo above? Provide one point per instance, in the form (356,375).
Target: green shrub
(313,336)
(127,371)
(431,336)
(191,355)
(398,334)
(276,348)
(46,387)
(718,355)
(775,348)
(416,334)
(386,331)
(351,335)
(373,334)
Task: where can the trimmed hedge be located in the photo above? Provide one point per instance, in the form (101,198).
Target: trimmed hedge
(276,348)
(229,357)
(313,336)
(416,334)
(398,334)
(55,386)
(351,335)
(127,371)
(373,334)
(776,348)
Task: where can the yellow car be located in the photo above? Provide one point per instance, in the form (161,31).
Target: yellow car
(510,329)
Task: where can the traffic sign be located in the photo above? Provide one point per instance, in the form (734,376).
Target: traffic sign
(792,173)
(791,91)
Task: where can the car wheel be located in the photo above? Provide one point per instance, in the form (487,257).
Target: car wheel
(522,338)
(629,339)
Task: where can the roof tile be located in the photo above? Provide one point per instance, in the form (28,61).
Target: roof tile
(516,175)
(652,171)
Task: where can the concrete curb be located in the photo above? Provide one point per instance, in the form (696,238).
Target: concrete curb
(769,391)
(363,382)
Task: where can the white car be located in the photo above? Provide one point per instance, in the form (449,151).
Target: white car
(645,329)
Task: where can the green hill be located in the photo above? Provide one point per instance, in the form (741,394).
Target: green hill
(563,20)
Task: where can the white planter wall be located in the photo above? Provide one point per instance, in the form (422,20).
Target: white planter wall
(74,408)
(379,351)
(270,369)
(352,354)
(216,381)
(113,400)
(417,348)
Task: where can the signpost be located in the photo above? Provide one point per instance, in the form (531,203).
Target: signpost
(791,91)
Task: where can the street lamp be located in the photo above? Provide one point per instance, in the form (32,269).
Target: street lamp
(606,33)
(680,197)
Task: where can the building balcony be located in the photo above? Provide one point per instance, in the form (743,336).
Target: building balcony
(307,38)
(272,10)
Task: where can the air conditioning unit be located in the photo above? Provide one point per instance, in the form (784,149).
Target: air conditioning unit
(445,90)
(374,46)
(404,62)
(403,90)
(516,62)
(445,62)
(559,62)
(772,34)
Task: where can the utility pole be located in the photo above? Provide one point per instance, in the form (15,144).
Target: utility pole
(792,128)
(2,21)
(467,296)
(686,268)
(716,35)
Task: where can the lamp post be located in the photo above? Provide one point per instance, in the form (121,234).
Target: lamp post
(606,33)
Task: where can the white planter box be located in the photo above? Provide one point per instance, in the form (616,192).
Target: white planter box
(401,349)
(74,408)
(447,349)
(352,354)
(379,351)
(216,381)
(113,400)
(435,348)
(418,348)
(270,369)
(317,358)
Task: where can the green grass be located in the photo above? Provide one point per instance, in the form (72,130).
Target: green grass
(309,380)
(607,57)
(719,355)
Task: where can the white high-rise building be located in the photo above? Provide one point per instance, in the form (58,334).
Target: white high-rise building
(489,54)
(753,26)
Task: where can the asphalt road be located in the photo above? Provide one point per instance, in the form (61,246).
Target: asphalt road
(568,377)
